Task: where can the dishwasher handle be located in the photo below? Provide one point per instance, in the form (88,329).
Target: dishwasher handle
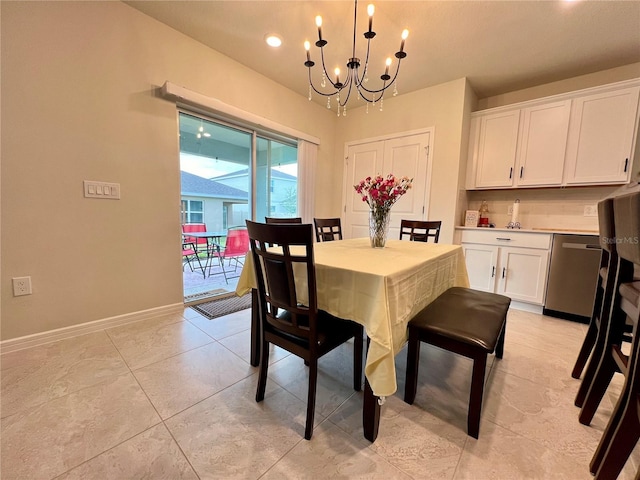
(581,246)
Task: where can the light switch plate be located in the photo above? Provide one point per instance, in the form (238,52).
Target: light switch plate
(106,190)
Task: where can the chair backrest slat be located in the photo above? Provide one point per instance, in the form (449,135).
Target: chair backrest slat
(271,220)
(420,231)
(327,229)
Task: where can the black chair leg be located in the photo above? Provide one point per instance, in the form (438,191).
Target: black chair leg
(617,443)
(500,342)
(585,350)
(413,359)
(262,376)
(475,396)
(606,369)
(592,369)
(358,344)
(311,397)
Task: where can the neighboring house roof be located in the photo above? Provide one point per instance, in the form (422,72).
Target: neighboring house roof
(194,185)
(245,172)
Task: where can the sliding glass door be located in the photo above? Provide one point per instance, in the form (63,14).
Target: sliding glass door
(229,174)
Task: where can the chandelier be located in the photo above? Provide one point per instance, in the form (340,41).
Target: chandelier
(355,79)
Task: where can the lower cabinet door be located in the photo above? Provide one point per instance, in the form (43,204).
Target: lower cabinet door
(522,274)
(481,261)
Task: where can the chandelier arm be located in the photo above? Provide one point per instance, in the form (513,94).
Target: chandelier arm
(384,85)
(349,83)
(370,100)
(326,74)
(366,62)
(318,91)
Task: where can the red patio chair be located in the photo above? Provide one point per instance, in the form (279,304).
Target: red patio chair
(199,243)
(235,250)
(189,255)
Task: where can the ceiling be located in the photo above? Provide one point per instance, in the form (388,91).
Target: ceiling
(500,46)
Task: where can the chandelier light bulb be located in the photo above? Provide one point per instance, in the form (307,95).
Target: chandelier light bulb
(370,10)
(307,45)
(319,24)
(337,72)
(388,64)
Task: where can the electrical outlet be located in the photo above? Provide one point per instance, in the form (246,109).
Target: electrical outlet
(510,210)
(590,210)
(21,286)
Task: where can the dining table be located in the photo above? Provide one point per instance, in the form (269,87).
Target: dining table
(379,288)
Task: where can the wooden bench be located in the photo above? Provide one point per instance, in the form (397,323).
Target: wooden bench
(464,321)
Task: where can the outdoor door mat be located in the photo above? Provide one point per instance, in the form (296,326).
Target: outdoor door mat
(223,306)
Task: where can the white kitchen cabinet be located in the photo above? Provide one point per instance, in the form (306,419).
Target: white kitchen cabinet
(514,264)
(497,142)
(481,261)
(542,144)
(601,137)
(578,138)
(523,274)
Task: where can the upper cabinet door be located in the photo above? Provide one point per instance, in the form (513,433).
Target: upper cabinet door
(497,143)
(543,144)
(601,134)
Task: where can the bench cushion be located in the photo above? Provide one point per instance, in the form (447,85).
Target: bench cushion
(465,315)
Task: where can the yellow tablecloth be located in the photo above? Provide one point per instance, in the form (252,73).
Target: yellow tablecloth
(380,288)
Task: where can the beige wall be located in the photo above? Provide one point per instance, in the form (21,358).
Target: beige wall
(79,102)
(441,107)
(619,74)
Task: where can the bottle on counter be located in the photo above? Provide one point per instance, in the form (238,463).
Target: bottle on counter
(484,214)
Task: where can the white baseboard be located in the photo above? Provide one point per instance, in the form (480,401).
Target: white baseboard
(36,339)
(527,307)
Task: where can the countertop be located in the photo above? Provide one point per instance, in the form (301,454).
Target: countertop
(536,230)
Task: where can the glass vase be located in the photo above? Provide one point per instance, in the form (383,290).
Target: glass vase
(378,227)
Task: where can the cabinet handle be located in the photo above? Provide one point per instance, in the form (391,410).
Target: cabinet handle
(493,271)
(510,173)
(504,272)
(626,164)
(503,238)
(521,170)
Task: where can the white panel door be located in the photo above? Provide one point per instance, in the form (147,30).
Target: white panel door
(408,156)
(363,160)
(401,156)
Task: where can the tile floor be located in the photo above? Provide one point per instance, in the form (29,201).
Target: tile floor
(174,397)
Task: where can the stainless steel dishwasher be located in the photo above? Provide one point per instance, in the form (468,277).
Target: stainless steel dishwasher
(573,276)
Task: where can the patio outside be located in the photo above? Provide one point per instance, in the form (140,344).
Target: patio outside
(199,287)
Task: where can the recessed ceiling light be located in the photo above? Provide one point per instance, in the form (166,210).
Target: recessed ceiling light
(273,40)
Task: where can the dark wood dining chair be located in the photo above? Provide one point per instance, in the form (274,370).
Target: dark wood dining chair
(327,229)
(594,340)
(420,231)
(303,330)
(463,321)
(282,220)
(623,430)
